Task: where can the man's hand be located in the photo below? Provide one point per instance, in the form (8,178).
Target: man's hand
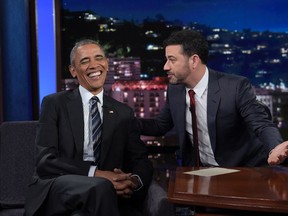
(123,183)
(278,154)
(128,180)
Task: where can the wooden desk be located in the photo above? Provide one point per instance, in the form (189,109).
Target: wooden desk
(263,189)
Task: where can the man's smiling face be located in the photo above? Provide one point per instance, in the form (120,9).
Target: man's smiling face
(90,67)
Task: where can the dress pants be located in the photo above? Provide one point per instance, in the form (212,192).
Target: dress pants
(81,195)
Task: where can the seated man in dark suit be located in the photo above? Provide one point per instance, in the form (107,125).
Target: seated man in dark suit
(216,115)
(90,159)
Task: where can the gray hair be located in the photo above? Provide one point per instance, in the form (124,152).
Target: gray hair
(82,43)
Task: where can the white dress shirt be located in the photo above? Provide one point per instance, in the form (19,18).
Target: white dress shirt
(88,153)
(205,150)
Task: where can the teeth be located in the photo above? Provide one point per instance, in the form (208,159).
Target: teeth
(94,74)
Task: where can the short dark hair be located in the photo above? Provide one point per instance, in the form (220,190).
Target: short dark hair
(82,42)
(192,42)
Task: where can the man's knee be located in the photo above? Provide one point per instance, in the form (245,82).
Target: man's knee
(88,194)
(82,184)
(102,185)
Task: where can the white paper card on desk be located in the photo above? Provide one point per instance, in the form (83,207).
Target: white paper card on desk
(211,171)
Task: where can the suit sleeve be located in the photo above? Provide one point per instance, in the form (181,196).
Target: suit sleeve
(256,117)
(53,157)
(138,160)
(159,125)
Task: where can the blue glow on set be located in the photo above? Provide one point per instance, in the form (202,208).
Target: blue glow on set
(46,48)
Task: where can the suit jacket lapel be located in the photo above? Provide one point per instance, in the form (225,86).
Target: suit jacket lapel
(76,118)
(213,100)
(110,115)
(180,111)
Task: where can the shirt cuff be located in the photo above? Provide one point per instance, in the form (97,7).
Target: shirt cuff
(92,171)
(140,183)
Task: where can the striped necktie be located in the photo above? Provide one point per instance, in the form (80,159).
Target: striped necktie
(95,129)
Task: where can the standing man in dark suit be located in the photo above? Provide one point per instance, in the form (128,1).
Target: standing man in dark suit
(233,128)
(68,179)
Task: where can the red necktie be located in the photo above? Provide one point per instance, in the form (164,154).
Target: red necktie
(194,128)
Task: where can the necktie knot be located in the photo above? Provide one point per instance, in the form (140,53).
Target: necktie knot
(94,100)
(191,93)
(93,106)
(192,97)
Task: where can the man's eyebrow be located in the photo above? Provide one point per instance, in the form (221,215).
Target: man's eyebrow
(84,58)
(100,55)
(96,56)
(170,56)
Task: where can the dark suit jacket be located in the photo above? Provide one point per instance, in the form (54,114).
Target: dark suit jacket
(240,129)
(60,141)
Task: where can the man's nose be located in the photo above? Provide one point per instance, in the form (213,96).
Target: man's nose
(166,66)
(93,64)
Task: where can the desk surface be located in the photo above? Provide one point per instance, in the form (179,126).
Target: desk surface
(263,189)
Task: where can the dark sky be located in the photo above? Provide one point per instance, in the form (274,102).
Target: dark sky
(258,15)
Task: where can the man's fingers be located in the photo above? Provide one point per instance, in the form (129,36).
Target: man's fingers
(122,177)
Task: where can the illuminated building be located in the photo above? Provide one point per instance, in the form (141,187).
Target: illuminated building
(146,97)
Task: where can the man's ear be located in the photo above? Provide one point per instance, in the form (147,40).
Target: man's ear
(72,71)
(194,60)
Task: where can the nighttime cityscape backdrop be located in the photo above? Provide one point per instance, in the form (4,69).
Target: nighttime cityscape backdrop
(248,38)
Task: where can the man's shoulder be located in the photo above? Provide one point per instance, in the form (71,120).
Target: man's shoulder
(61,96)
(115,103)
(175,89)
(225,75)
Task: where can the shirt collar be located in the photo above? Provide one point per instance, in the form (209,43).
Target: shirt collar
(86,95)
(201,85)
